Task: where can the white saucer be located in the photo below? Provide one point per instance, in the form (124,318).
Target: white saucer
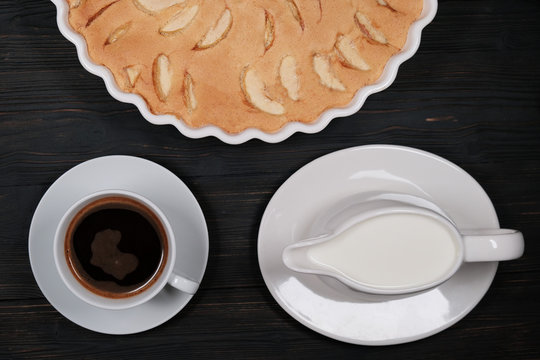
(156,183)
(332,309)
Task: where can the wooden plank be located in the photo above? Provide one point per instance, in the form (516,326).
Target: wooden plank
(470,94)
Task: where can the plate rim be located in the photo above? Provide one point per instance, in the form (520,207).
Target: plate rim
(293,313)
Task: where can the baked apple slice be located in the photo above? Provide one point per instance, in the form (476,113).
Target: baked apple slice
(349,55)
(73,4)
(268,30)
(155,6)
(180,20)
(133,72)
(216,33)
(321,65)
(296,13)
(162,75)
(118,33)
(189,93)
(289,77)
(254,90)
(367,28)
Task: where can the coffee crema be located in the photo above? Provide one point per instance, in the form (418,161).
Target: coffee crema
(116,247)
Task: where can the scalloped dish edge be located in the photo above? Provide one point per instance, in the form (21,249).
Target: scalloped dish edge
(385,80)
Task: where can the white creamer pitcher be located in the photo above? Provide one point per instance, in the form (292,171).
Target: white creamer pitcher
(395,244)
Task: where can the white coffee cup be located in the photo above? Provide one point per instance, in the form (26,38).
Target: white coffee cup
(168,271)
(396,244)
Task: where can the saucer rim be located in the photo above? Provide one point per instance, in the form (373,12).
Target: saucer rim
(181,299)
(490,271)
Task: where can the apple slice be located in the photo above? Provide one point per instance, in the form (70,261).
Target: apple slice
(100,12)
(254,90)
(296,13)
(189,93)
(384,3)
(368,29)
(268,30)
(155,6)
(289,77)
(349,55)
(73,4)
(321,65)
(180,20)
(133,72)
(118,33)
(217,33)
(162,75)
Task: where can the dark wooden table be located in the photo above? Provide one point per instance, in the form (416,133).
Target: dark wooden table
(471,94)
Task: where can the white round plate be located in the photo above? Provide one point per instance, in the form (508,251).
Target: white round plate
(141,176)
(332,309)
(385,80)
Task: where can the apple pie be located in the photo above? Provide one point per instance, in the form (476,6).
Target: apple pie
(243,64)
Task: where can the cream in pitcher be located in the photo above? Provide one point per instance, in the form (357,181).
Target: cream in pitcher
(390,248)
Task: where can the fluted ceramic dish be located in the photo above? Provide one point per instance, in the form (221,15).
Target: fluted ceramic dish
(384,81)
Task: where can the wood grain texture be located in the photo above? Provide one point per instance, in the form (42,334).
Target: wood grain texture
(471,94)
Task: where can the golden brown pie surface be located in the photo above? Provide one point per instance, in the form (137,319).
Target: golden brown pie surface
(238,64)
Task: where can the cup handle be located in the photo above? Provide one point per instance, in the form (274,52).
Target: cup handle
(183,284)
(492,245)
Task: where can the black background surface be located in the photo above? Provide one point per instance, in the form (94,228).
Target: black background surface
(471,95)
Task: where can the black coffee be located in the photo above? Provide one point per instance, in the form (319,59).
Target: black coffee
(116,247)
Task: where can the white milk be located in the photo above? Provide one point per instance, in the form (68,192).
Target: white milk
(392,250)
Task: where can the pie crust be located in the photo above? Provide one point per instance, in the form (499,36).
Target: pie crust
(243,64)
